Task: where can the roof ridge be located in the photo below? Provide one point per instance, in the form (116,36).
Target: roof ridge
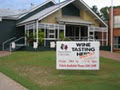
(41,4)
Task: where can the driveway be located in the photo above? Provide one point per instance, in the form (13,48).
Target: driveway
(106,54)
(4,53)
(7,83)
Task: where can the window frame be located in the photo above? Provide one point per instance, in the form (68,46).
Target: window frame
(117,42)
(117,21)
(51,33)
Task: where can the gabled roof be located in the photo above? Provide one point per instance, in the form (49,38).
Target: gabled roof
(46,12)
(11,14)
(40,5)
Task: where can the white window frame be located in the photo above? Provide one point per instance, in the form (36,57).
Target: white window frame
(116,42)
(117,21)
(51,34)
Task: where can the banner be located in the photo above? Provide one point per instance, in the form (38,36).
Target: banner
(77,55)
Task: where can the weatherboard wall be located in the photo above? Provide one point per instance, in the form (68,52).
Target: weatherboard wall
(86,16)
(51,18)
(7,30)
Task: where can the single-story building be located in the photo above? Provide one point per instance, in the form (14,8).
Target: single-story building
(51,21)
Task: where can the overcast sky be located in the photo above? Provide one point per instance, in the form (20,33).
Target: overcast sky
(25,4)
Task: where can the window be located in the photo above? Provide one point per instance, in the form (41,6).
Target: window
(51,33)
(70,10)
(116,21)
(117,42)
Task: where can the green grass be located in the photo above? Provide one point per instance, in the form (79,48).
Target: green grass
(36,71)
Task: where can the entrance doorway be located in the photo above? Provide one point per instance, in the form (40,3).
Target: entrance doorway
(75,32)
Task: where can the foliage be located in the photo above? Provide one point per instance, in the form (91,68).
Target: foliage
(105,12)
(32,36)
(66,39)
(95,9)
(41,36)
(29,37)
(61,36)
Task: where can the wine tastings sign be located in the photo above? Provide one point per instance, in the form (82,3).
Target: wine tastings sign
(77,55)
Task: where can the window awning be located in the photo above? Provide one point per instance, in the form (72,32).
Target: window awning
(73,20)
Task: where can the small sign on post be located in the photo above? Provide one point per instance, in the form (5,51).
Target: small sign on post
(35,45)
(0,19)
(52,44)
(76,55)
(13,45)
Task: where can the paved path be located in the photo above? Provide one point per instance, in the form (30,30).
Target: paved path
(114,56)
(4,53)
(8,84)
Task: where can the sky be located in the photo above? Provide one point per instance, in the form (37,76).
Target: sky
(25,4)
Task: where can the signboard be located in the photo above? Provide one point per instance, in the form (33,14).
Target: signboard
(77,55)
(13,45)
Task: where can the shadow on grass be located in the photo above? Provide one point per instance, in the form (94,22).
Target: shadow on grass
(78,72)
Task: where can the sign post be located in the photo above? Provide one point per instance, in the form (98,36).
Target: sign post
(76,55)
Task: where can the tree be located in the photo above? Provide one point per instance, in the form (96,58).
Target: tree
(105,13)
(95,9)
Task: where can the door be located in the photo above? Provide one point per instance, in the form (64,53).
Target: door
(77,34)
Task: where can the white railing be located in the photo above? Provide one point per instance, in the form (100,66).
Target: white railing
(50,26)
(3,44)
(17,44)
(99,29)
(77,38)
(45,26)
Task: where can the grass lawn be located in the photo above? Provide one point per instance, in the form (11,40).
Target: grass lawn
(36,71)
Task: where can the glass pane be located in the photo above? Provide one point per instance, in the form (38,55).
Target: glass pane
(116,21)
(91,33)
(118,46)
(51,36)
(115,40)
(51,31)
(118,40)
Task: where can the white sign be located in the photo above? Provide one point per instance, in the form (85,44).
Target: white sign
(13,45)
(77,55)
(35,45)
(52,44)
(0,19)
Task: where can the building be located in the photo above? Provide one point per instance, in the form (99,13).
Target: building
(72,19)
(116,29)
